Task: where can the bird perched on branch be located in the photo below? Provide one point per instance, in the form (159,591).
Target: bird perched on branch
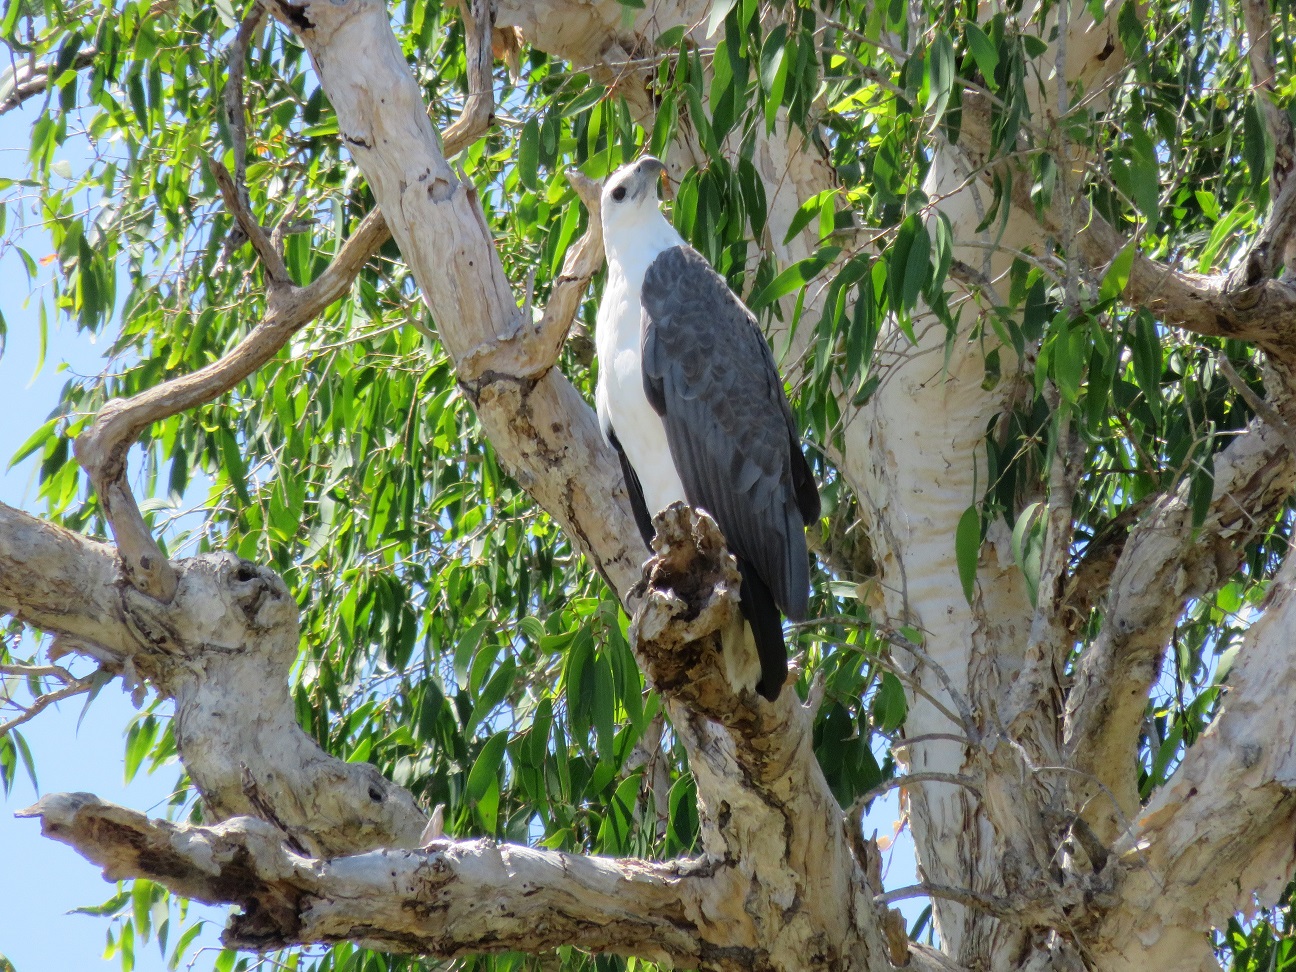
(689,397)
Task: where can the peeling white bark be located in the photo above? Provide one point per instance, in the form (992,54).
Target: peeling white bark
(447,899)
(783,883)
(221,649)
(1222,833)
(1165,564)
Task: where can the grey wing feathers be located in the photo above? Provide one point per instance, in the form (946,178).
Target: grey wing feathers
(710,375)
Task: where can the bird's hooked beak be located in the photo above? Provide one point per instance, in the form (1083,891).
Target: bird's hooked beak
(642,178)
(652,170)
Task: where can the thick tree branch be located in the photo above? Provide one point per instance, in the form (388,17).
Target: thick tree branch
(1247,305)
(42,564)
(1274,244)
(780,887)
(1164,564)
(767,811)
(222,649)
(543,430)
(102,449)
(450,899)
(479,110)
(1224,827)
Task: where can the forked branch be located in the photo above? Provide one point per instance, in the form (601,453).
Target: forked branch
(1221,834)
(533,348)
(69,686)
(102,451)
(1163,564)
(1248,305)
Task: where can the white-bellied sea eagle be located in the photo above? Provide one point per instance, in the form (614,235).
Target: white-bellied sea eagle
(689,397)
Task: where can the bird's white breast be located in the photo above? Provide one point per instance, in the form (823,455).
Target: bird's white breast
(620,399)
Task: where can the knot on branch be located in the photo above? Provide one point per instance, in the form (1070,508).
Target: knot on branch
(688,629)
(221,603)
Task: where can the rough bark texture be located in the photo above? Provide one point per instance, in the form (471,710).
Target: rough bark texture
(782,884)
(1009,774)
(221,649)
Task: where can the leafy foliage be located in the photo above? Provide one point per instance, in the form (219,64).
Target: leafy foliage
(451,635)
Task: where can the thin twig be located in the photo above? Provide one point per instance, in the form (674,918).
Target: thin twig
(929,776)
(917,688)
(42,702)
(233,94)
(965,711)
(930,737)
(236,108)
(39,671)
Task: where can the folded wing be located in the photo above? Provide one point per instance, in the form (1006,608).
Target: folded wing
(709,373)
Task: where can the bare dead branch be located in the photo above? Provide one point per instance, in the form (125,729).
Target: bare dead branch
(927,737)
(754,760)
(30,80)
(234,100)
(896,782)
(965,718)
(271,257)
(39,671)
(982,902)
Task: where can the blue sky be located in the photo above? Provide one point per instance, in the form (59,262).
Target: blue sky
(41,880)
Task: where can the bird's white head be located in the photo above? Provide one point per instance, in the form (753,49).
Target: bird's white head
(631,213)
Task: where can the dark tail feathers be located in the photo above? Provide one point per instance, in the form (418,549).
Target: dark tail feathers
(758,607)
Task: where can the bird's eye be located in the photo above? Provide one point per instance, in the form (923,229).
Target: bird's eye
(618,193)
